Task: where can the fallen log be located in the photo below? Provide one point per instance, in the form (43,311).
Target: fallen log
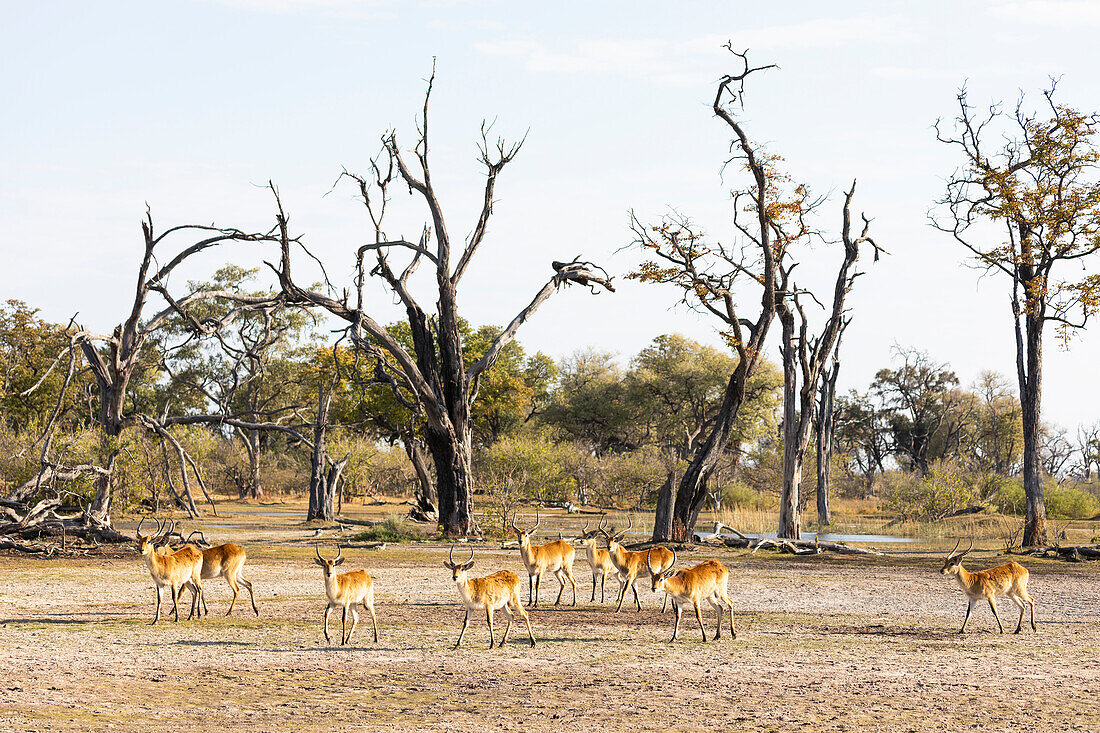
(795,547)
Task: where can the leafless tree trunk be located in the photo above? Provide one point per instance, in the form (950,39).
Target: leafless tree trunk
(825,424)
(804,359)
(435,372)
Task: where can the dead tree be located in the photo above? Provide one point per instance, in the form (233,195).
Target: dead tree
(824,428)
(708,274)
(804,358)
(434,371)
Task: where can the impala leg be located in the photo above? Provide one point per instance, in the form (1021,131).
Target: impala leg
(718,628)
(489,618)
(603,579)
(1032,604)
(465,623)
(637,600)
(175,602)
(699,618)
(343,622)
(530,589)
(664,603)
(538,584)
(561,585)
(993,607)
(157,617)
(373,619)
(328,609)
(969,608)
(733,631)
(573,581)
(676,625)
(236,590)
(196,600)
(248,587)
(508,626)
(517,608)
(1019,604)
(622,596)
(593,598)
(354,622)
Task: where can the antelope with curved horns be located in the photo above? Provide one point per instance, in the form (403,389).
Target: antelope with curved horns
(632,564)
(344,591)
(175,570)
(598,559)
(707,581)
(554,557)
(223,561)
(499,591)
(1009,580)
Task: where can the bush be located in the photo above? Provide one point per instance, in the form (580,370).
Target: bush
(393,529)
(1009,497)
(1070,503)
(944,489)
(737,495)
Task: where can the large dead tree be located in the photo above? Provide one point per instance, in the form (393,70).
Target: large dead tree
(824,429)
(710,276)
(434,372)
(804,358)
(114,359)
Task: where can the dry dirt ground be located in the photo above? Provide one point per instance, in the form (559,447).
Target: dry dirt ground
(824,643)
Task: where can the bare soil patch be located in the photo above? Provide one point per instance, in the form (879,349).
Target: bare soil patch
(823,644)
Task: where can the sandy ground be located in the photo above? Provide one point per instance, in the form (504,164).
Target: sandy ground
(824,643)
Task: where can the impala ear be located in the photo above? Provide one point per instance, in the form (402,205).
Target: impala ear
(467,565)
(338,561)
(448,565)
(318,561)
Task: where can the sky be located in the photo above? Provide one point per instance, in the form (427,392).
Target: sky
(191,107)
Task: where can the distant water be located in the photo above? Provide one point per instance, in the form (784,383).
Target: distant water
(824,537)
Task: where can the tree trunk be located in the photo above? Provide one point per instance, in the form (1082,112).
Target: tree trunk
(454,483)
(691,495)
(426,499)
(662,518)
(789,520)
(825,426)
(320,500)
(254,487)
(1031,385)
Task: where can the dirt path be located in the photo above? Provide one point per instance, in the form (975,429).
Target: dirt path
(824,644)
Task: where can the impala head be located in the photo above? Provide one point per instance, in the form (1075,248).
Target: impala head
(458,568)
(662,575)
(328,565)
(589,536)
(953,562)
(524,535)
(615,536)
(147,544)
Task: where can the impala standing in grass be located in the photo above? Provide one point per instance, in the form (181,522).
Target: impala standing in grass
(344,591)
(499,591)
(707,581)
(1009,580)
(554,557)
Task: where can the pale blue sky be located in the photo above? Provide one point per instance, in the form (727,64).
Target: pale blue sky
(192,106)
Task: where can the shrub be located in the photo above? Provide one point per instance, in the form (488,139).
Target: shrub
(392,529)
(944,489)
(1070,503)
(737,495)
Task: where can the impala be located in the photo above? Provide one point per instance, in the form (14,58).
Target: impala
(1009,580)
(223,561)
(598,559)
(499,591)
(227,561)
(172,569)
(633,564)
(704,582)
(554,557)
(344,591)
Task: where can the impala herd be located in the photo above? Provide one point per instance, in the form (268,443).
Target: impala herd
(186,567)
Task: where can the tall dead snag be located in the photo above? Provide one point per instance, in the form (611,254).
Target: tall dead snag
(1035,175)
(709,273)
(804,358)
(434,372)
(824,428)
